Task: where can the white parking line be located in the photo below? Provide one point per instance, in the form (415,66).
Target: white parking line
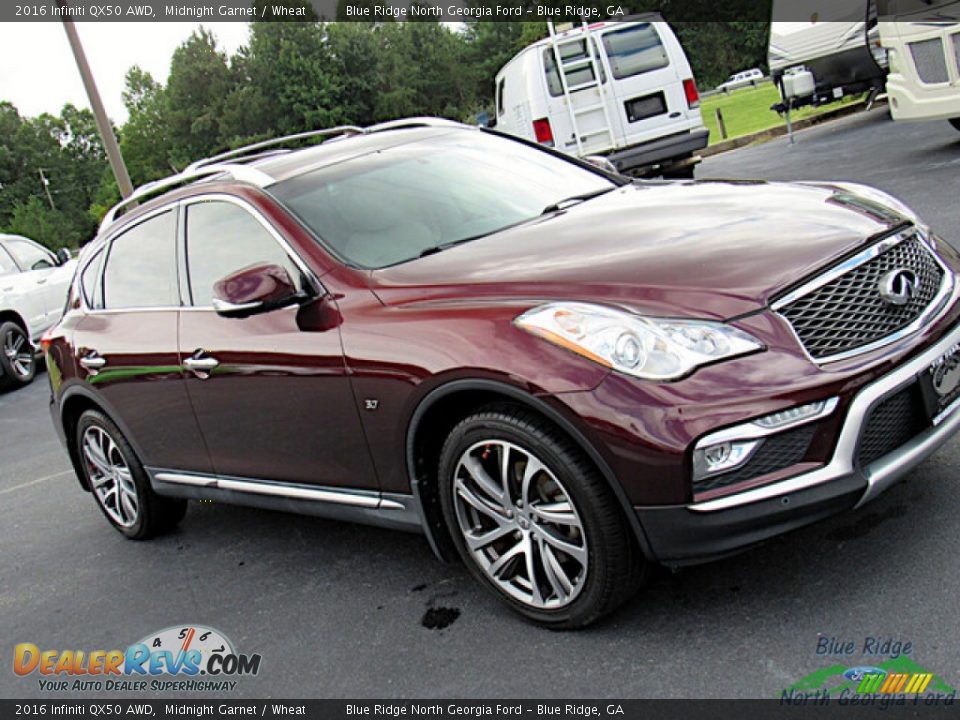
(35,482)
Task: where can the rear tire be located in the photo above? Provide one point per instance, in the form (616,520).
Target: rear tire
(18,362)
(118,482)
(552,516)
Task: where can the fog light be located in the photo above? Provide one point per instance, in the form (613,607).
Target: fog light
(722,457)
(796,415)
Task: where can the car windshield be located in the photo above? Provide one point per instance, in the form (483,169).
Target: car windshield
(406,201)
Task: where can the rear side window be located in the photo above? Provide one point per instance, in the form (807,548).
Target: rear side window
(223,238)
(141,267)
(500,89)
(7,265)
(635,50)
(30,256)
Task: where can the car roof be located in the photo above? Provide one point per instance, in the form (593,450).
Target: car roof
(343,148)
(268,168)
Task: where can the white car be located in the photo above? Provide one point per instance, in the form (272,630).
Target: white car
(33,290)
(741,79)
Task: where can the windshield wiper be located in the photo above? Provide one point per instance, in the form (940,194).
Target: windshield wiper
(574,200)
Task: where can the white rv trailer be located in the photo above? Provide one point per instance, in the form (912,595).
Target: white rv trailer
(923,44)
(839,45)
(622,90)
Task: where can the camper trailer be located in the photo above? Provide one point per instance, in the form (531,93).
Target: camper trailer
(620,90)
(839,46)
(924,53)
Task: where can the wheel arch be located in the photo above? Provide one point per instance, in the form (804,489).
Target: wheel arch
(74,401)
(465,396)
(13,316)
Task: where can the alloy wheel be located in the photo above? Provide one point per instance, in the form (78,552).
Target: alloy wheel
(110,477)
(19,352)
(520,524)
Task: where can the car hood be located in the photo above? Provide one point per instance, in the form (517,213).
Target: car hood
(709,249)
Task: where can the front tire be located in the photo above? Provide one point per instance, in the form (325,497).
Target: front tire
(18,364)
(534,521)
(119,483)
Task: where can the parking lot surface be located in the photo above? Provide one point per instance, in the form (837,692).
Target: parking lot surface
(339,610)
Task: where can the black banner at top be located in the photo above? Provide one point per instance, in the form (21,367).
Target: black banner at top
(474,10)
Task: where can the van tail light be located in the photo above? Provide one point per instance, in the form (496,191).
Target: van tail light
(543,131)
(690,89)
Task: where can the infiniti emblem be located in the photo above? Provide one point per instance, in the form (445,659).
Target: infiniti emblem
(898,287)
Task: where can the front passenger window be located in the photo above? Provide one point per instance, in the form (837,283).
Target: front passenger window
(223,238)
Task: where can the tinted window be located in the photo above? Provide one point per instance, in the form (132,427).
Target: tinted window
(390,206)
(500,96)
(30,256)
(223,238)
(7,265)
(141,267)
(635,50)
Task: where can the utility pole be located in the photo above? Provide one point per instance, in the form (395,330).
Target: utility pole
(103,123)
(46,188)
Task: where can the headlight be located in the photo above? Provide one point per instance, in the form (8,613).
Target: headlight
(649,348)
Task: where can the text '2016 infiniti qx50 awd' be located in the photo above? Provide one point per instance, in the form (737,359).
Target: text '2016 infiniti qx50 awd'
(558,374)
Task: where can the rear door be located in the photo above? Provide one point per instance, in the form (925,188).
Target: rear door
(24,286)
(127,344)
(278,404)
(49,279)
(647,68)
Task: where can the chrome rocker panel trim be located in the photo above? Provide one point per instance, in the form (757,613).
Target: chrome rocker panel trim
(370,507)
(882,473)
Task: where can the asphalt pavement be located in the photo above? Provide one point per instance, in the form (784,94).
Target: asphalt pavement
(338,610)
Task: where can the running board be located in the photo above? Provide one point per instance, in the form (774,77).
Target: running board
(391,510)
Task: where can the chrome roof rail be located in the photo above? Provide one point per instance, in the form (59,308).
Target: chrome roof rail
(243,173)
(228,162)
(241,152)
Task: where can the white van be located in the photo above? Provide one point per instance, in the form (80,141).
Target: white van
(741,79)
(924,80)
(623,90)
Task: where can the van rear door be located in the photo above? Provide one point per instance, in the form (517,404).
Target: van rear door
(647,68)
(589,106)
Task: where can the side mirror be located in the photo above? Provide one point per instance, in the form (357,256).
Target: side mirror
(254,289)
(601,162)
(64,256)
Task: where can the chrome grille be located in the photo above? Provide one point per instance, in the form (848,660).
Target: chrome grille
(848,312)
(930,60)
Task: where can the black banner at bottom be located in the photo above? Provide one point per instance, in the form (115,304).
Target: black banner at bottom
(889,706)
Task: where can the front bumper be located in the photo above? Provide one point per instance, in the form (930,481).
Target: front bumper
(921,102)
(681,534)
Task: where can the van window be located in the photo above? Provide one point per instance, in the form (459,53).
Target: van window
(570,53)
(635,50)
(500,96)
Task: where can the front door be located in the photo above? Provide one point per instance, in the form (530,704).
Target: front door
(272,397)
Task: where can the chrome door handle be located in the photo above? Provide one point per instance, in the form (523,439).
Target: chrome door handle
(201,366)
(93,363)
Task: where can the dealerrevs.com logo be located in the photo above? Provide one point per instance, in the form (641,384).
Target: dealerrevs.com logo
(181,658)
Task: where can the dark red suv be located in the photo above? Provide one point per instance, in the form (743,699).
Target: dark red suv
(557,373)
